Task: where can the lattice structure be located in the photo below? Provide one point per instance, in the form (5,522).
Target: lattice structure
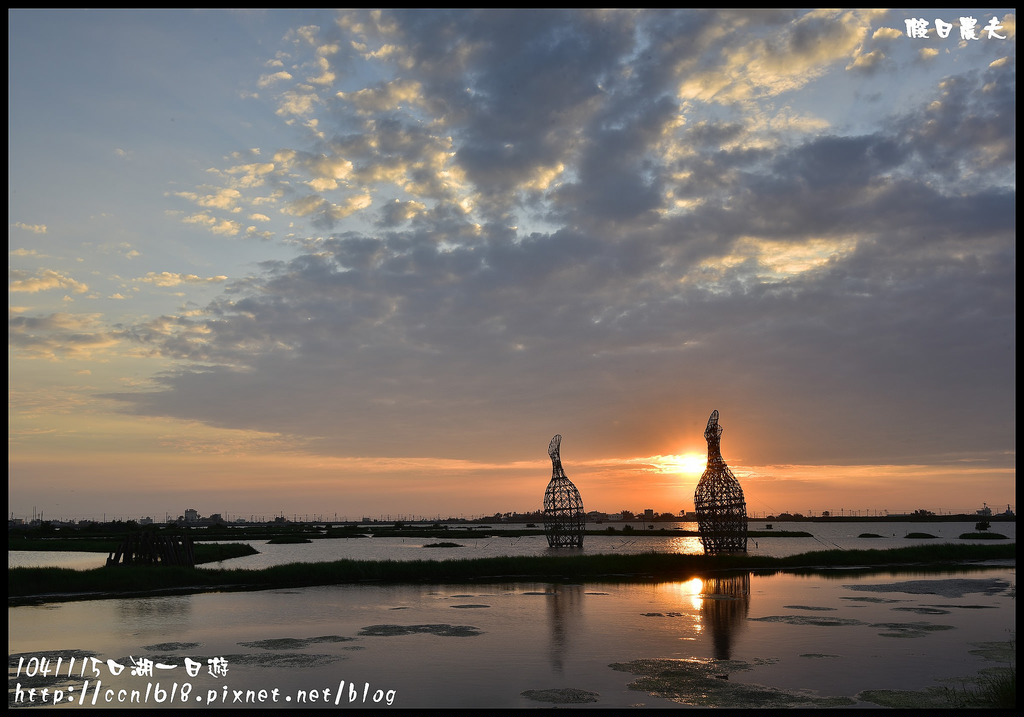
(564,519)
(721,509)
(149,549)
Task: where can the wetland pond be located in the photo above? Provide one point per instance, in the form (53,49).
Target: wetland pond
(841,638)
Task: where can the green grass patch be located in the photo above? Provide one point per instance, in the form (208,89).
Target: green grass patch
(920,535)
(982,536)
(56,583)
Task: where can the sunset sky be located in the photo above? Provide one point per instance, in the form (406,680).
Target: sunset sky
(369,262)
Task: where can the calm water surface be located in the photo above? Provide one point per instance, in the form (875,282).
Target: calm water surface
(826,536)
(780,640)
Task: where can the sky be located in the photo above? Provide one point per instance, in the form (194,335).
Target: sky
(368,263)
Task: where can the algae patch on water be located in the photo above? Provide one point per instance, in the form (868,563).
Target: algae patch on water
(169,646)
(294,643)
(439,630)
(707,683)
(909,629)
(931,698)
(284,660)
(923,610)
(951,588)
(995,651)
(563,696)
(810,620)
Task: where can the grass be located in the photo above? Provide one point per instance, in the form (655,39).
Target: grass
(998,689)
(29,584)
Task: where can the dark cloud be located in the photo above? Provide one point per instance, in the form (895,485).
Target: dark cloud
(892,343)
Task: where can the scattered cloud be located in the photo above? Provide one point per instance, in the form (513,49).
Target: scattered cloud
(34,228)
(43,280)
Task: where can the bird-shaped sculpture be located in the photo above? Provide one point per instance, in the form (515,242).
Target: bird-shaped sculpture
(721,509)
(564,519)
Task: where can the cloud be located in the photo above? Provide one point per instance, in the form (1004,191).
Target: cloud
(43,280)
(34,228)
(267,80)
(169,279)
(59,336)
(602,222)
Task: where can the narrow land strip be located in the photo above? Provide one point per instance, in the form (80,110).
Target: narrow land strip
(37,585)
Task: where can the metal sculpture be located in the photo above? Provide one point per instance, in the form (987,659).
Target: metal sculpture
(721,509)
(564,518)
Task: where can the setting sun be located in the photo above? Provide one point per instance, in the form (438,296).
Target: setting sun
(692,464)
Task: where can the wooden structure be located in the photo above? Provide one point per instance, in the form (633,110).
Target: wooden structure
(152,549)
(564,519)
(721,509)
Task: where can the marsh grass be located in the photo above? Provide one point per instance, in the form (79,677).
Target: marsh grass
(992,689)
(63,583)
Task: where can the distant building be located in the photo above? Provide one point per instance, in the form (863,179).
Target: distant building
(986,512)
(191,515)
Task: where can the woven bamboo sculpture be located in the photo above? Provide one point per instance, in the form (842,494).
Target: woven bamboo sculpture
(721,509)
(564,519)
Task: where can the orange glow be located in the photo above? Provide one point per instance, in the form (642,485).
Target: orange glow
(688,464)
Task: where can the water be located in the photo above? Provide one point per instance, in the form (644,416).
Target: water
(747,640)
(826,536)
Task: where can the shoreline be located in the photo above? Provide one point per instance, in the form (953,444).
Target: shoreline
(34,586)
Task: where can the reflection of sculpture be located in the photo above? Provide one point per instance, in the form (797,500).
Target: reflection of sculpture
(565,603)
(721,510)
(564,518)
(724,608)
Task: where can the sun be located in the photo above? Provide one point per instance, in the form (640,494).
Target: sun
(691,464)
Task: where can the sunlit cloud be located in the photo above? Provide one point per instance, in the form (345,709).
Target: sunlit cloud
(439,237)
(168,279)
(44,280)
(33,228)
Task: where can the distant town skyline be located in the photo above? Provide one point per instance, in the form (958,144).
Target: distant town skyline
(373,260)
(40,516)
